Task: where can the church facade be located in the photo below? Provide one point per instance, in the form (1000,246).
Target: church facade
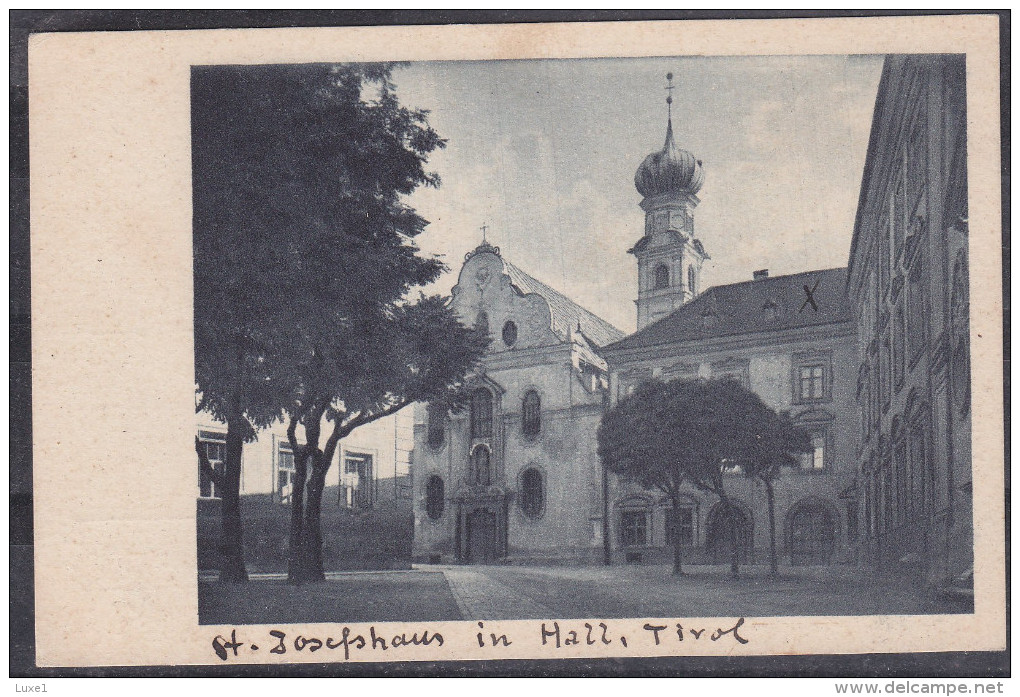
(516,476)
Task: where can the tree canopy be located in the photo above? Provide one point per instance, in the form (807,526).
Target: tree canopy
(301,236)
(692,432)
(304,260)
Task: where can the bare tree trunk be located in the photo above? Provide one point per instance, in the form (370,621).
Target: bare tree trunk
(312,419)
(770,496)
(311,543)
(731,513)
(677,568)
(309,567)
(231,548)
(306,543)
(297,498)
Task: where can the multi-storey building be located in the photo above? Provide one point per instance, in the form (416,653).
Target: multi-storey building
(797,355)
(517,474)
(908,285)
(873,360)
(787,338)
(372,464)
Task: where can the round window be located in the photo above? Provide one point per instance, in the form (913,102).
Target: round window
(509,333)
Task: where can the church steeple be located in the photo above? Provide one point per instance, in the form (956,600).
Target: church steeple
(669,256)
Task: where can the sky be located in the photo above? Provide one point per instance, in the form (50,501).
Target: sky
(544,153)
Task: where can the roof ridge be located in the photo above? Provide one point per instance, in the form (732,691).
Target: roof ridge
(739,311)
(781,276)
(546,289)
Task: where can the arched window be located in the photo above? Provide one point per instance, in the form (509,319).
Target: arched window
(509,333)
(482,323)
(435,497)
(481,414)
(532,493)
(633,528)
(661,276)
(436,426)
(692,279)
(480,466)
(531,421)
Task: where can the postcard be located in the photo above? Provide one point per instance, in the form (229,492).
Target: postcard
(475,342)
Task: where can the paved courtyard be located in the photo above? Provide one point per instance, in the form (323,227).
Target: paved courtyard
(521,592)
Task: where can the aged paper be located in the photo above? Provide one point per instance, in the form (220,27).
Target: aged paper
(114,392)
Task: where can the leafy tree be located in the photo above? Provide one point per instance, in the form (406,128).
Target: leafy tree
(777,442)
(635,440)
(694,432)
(304,255)
(421,352)
(236,387)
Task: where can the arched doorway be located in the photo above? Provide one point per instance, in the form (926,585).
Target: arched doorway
(718,541)
(811,539)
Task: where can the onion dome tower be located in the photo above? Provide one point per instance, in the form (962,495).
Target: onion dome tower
(669,255)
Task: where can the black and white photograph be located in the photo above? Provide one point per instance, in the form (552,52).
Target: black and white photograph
(582,338)
(521,341)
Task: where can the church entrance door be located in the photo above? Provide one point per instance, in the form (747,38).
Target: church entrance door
(481,537)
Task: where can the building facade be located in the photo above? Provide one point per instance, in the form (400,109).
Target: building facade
(372,464)
(795,355)
(908,282)
(515,476)
(788,339)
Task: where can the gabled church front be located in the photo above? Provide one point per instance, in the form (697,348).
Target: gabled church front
(516,475)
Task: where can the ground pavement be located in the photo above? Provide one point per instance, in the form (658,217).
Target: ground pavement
(526,592)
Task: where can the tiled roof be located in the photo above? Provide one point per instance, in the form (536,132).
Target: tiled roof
(566,314)
(765,305)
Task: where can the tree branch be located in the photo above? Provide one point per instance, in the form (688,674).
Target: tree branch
(367,418)
(292,433)
(334,438)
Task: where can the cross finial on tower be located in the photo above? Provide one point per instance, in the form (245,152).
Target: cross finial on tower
(484,228)
(669,97)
